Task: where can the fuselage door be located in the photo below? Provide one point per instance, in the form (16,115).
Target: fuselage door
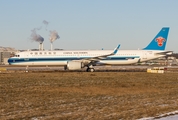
(144,55)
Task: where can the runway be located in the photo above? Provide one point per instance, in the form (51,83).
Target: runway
(132,68)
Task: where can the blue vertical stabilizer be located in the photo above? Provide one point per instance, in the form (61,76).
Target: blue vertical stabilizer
(160,40)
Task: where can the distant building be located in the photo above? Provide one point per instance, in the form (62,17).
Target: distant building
(5,54)
(175,55)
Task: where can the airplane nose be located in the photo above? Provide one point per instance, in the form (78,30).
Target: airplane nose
(10,60)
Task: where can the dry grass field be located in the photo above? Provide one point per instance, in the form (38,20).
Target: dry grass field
(82,95)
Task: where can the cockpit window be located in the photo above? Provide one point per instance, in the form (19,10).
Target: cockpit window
(17,55)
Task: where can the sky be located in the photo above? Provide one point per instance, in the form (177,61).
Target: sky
(87,24)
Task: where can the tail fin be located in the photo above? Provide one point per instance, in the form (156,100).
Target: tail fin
(159,42)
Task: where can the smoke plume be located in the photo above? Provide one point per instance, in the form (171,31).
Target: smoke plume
(46,23)
(53,36)
(36,37)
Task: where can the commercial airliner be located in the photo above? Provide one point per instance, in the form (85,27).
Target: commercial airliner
(78,59)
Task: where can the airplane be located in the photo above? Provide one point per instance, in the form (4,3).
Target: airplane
(79,59)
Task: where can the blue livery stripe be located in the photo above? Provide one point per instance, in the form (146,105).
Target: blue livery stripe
(19,60)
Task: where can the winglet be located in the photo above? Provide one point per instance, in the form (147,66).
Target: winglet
(116,49)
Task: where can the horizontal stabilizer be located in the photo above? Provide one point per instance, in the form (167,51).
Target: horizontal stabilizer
(165,53)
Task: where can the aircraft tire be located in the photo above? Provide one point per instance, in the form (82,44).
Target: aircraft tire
(90,69)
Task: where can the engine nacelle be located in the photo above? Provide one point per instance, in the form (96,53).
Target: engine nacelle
(74,65)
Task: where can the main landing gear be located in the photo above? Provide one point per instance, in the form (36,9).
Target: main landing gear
(90,68)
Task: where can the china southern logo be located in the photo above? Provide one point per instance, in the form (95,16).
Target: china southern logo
(160,41)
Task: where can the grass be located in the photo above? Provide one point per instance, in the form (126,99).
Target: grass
(82,95)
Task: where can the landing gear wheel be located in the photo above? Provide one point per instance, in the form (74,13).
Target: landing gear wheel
(90,69)
(65,67)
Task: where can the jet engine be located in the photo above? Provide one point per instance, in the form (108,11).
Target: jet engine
(74,65)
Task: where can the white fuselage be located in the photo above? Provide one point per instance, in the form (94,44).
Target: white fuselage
(61,57)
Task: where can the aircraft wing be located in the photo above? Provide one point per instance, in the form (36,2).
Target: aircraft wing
(97,58)
(103,56)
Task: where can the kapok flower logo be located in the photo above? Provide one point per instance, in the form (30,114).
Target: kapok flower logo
(160,41)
